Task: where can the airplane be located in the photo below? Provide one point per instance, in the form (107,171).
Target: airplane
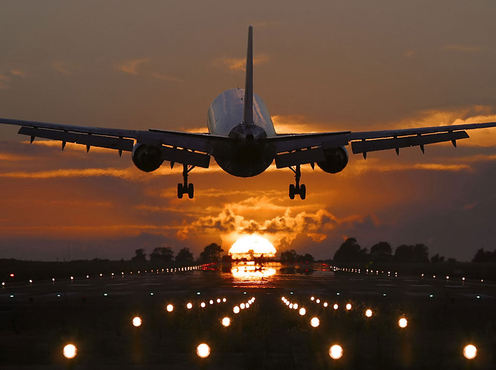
(242,139)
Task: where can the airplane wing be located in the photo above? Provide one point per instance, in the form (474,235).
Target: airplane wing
(295,149)
(179,147)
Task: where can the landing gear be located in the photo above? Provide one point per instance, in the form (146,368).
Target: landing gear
(186,188)
(297,188)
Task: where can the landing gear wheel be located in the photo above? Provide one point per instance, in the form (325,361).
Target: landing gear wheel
(291,191)
(180,191)
(303,191)
(191,191)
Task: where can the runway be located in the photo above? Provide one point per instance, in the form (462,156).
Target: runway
(95,313)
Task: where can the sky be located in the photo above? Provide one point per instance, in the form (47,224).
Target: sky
(319,66)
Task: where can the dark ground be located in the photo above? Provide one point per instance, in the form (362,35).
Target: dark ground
(36,323)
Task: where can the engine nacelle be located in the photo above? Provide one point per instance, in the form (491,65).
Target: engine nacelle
(335,161)
(147,157)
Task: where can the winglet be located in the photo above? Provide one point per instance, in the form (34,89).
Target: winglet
(248,101)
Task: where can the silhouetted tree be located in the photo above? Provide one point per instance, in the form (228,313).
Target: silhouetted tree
(306,258)
(211,253)
(139,256)
(162,256)
(381,252)
(184,257)
(289,256)
(484,256)
(437,258)
(412,253)
(350,251)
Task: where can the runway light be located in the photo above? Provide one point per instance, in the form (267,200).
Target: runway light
(335,352)
(402,322)
(170,308)
(326,304)
(242,306)
(105,294)
(302,311)
(3,283)
(295,306)
(30,281)
(218,300)
(189,305)
(368,312)
(314,322)
(203,350)
(211,301)
(202,305)
(317,300)
(312,298)
(348,306)
(69,351)
(469,351)
(335,306)
(197,293)
(137,321)
(12,275)
(291,306)
(224,300)
(226,321)
(53,280)
(236,309)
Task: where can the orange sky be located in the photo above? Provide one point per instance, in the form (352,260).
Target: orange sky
(335,66)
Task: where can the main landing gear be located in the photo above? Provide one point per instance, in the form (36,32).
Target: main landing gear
(186,188)
(297,188)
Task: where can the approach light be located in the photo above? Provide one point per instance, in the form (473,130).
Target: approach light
(218,300)
(211,301)
(326,304)
(170,307)
(335,352)
(348,306)
(203,350)
(197,293)
(12,275)
(402,322)
(137,321)
(69,351)
(469,351)
(226,321)
(189,305)
(30,281)
(312,298)
(236,309)
(302,311)
(335,306)
(368,312)
(291,306)
(295,306)
(314,322)
(317,300)
(202,305)
(247,305)
(224,300)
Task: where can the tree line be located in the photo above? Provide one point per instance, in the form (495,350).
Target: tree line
(382,252)
(164,256)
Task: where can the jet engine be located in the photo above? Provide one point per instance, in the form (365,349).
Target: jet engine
(147,157)
(335,161)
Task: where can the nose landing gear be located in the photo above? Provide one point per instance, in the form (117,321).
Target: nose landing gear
(296,188)
(186,188)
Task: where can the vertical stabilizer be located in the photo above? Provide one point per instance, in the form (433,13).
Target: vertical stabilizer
(248,101)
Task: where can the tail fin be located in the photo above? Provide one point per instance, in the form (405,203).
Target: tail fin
(248,101)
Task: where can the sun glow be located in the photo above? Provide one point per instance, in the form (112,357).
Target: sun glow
(252,246)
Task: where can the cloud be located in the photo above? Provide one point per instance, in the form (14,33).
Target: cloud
(239,64)
(17,72)
(4,79)
(462,48)
(165,77)
(61,67)
(131,66)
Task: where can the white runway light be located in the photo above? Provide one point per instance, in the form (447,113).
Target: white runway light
(336,352)
(189,305)
(226,321)
(368,312)
(469,351)
(203,350)
(236,309)
(137,321)
(314,322)
(170,308)
(302,311)
(69,351)
(403,322)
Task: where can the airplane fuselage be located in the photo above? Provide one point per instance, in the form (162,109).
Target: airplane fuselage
(248,154)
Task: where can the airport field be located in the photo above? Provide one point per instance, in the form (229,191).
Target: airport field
(95,314)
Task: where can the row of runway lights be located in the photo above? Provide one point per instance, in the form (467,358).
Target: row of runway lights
(389,273)
(112,274)
(202,350)
(336,350)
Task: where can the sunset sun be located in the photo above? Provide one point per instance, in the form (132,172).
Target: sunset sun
(248,246)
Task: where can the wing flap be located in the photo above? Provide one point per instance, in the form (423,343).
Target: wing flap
(184,156)
(300,157)
(365,146)
(288,143)
(77,138)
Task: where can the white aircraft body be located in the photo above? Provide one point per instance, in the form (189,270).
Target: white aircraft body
(242,139)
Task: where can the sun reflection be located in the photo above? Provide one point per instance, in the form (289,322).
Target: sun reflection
(251,271)
(252,246)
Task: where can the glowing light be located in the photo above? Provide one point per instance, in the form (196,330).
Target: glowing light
(12,275)
(469,351)
(402,322)
(348,306)
(335,306)
(295,306)
(249,246)
(170,308)
(137,321)
(211,301)
(69,351)
(203,350)
(317,300)
(368,312)
(312,298)
(291,306)
(189,305)
(252,271)
(326,304)
(242,306)
(226,321)
(335,352)
(224,300)
(236,309)
(218,300)
(302,311)
(314,322)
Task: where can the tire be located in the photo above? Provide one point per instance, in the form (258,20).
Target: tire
(191,191)
(179,191)
(303,191)
(291,191)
